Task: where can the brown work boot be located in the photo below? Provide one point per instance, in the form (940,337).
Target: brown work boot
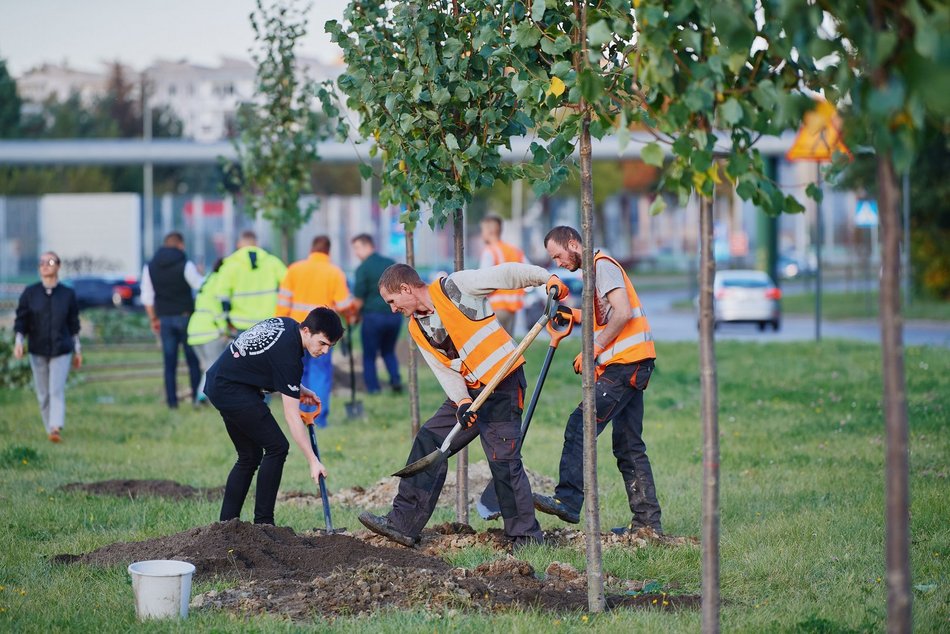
(54,436)
(382,526)
(553,506)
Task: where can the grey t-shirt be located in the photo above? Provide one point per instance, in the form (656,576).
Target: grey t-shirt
(607,277)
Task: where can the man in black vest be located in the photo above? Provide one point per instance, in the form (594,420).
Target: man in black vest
(167,283)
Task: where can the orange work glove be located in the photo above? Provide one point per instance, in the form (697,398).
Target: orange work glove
(463,416)
(555,282)
(579,359)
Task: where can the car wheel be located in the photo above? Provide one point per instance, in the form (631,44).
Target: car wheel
(776,325)
(761,325)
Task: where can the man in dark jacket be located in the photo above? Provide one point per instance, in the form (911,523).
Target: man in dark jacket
(167,283)
(380,325)
(48,315)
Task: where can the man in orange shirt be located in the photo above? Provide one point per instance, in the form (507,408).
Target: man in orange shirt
(308,284)
(504,303)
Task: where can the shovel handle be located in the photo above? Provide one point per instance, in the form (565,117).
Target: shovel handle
(324,496)
(549,311)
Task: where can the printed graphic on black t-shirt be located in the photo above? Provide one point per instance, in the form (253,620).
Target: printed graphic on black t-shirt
(265,358)
(258,338)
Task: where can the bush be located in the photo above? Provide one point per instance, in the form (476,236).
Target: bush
(14,373)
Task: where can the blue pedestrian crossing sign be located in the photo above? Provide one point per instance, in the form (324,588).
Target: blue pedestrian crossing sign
(865,213)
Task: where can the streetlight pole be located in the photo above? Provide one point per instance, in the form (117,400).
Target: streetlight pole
(148,202)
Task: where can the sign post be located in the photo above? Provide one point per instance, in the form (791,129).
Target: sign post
(818,140)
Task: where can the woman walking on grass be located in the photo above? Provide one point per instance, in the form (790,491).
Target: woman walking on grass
(48,315)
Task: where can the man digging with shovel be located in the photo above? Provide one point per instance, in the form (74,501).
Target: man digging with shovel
(267,357)
(470,353)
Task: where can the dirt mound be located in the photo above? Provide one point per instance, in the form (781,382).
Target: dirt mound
(144,488)
(302,577)
(252,551)
(381,494)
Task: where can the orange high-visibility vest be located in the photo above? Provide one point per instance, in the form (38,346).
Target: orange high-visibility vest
(633,343)
(509,300)
(310,283)
(483,346)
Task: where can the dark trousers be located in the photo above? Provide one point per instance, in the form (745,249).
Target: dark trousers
(261,447)
(619,392)
(174,333)
(378,334)
(499,428)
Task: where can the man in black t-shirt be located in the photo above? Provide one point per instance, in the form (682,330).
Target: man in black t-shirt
(267,357)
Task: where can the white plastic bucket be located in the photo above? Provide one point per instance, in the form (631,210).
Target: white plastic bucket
(162,588)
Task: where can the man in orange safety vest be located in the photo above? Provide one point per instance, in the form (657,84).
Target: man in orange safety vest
(505,302)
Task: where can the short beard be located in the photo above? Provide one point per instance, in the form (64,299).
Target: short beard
(575,262)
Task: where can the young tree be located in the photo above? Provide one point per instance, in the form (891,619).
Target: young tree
(727,66)
(439,121)
(888,63)
(280,131)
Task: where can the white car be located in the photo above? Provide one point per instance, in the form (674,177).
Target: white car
(746,296)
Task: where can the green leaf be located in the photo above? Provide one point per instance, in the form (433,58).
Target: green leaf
(731,111)
(591,84)
(463,94)
(652,154)
(657,207)
(366,171)
(814,192)
(525,35)
(599,33)
(451,142)
(556,46)
(537,10)
(559,69)
(440,96)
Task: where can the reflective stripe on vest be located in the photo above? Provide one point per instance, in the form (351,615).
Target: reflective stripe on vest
(635,341)
(483,345)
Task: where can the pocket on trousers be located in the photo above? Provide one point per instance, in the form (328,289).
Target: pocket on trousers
(498,407)
(503,439)
(607,394)
(641,375)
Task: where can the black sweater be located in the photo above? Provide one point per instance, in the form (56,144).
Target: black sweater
(49,317)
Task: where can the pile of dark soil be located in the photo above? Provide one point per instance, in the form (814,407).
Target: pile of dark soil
(300,577)
(144,488)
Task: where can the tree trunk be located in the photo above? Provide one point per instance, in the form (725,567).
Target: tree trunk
(413,358)
(595,576)
(897,521)
(286,245)
(461,472)
(709,413)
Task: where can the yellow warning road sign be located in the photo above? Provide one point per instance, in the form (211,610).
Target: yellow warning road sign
(819,137)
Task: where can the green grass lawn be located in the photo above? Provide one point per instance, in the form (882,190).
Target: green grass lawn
(802,493)
(849,306)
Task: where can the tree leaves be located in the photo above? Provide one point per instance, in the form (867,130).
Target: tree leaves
(652,154)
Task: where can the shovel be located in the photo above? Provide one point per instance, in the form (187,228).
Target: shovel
(307,418)
(559,327)
(442,453)
(354,408)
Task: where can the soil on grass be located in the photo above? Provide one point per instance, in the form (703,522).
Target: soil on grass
(145,488)
(304,576)
(381,494)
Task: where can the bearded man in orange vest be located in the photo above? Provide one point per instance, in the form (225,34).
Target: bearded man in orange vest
(465,346)
(625,354)
(506,302)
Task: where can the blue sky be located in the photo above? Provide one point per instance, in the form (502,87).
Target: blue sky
(86,33)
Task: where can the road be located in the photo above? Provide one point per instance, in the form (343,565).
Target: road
(677,325)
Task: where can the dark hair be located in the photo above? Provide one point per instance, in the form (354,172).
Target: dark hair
(398,274)
(493,218)
(562,235)
(320,244)
(173,238)
(325,320)
(365,238)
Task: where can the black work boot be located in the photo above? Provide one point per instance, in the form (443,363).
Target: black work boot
(382,526)
(633,527)
(553,506)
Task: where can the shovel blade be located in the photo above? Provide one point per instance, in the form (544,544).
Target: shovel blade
(422,464)
(354,409)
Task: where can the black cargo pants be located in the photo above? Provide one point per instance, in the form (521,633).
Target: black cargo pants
(619,399)
(499,428)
